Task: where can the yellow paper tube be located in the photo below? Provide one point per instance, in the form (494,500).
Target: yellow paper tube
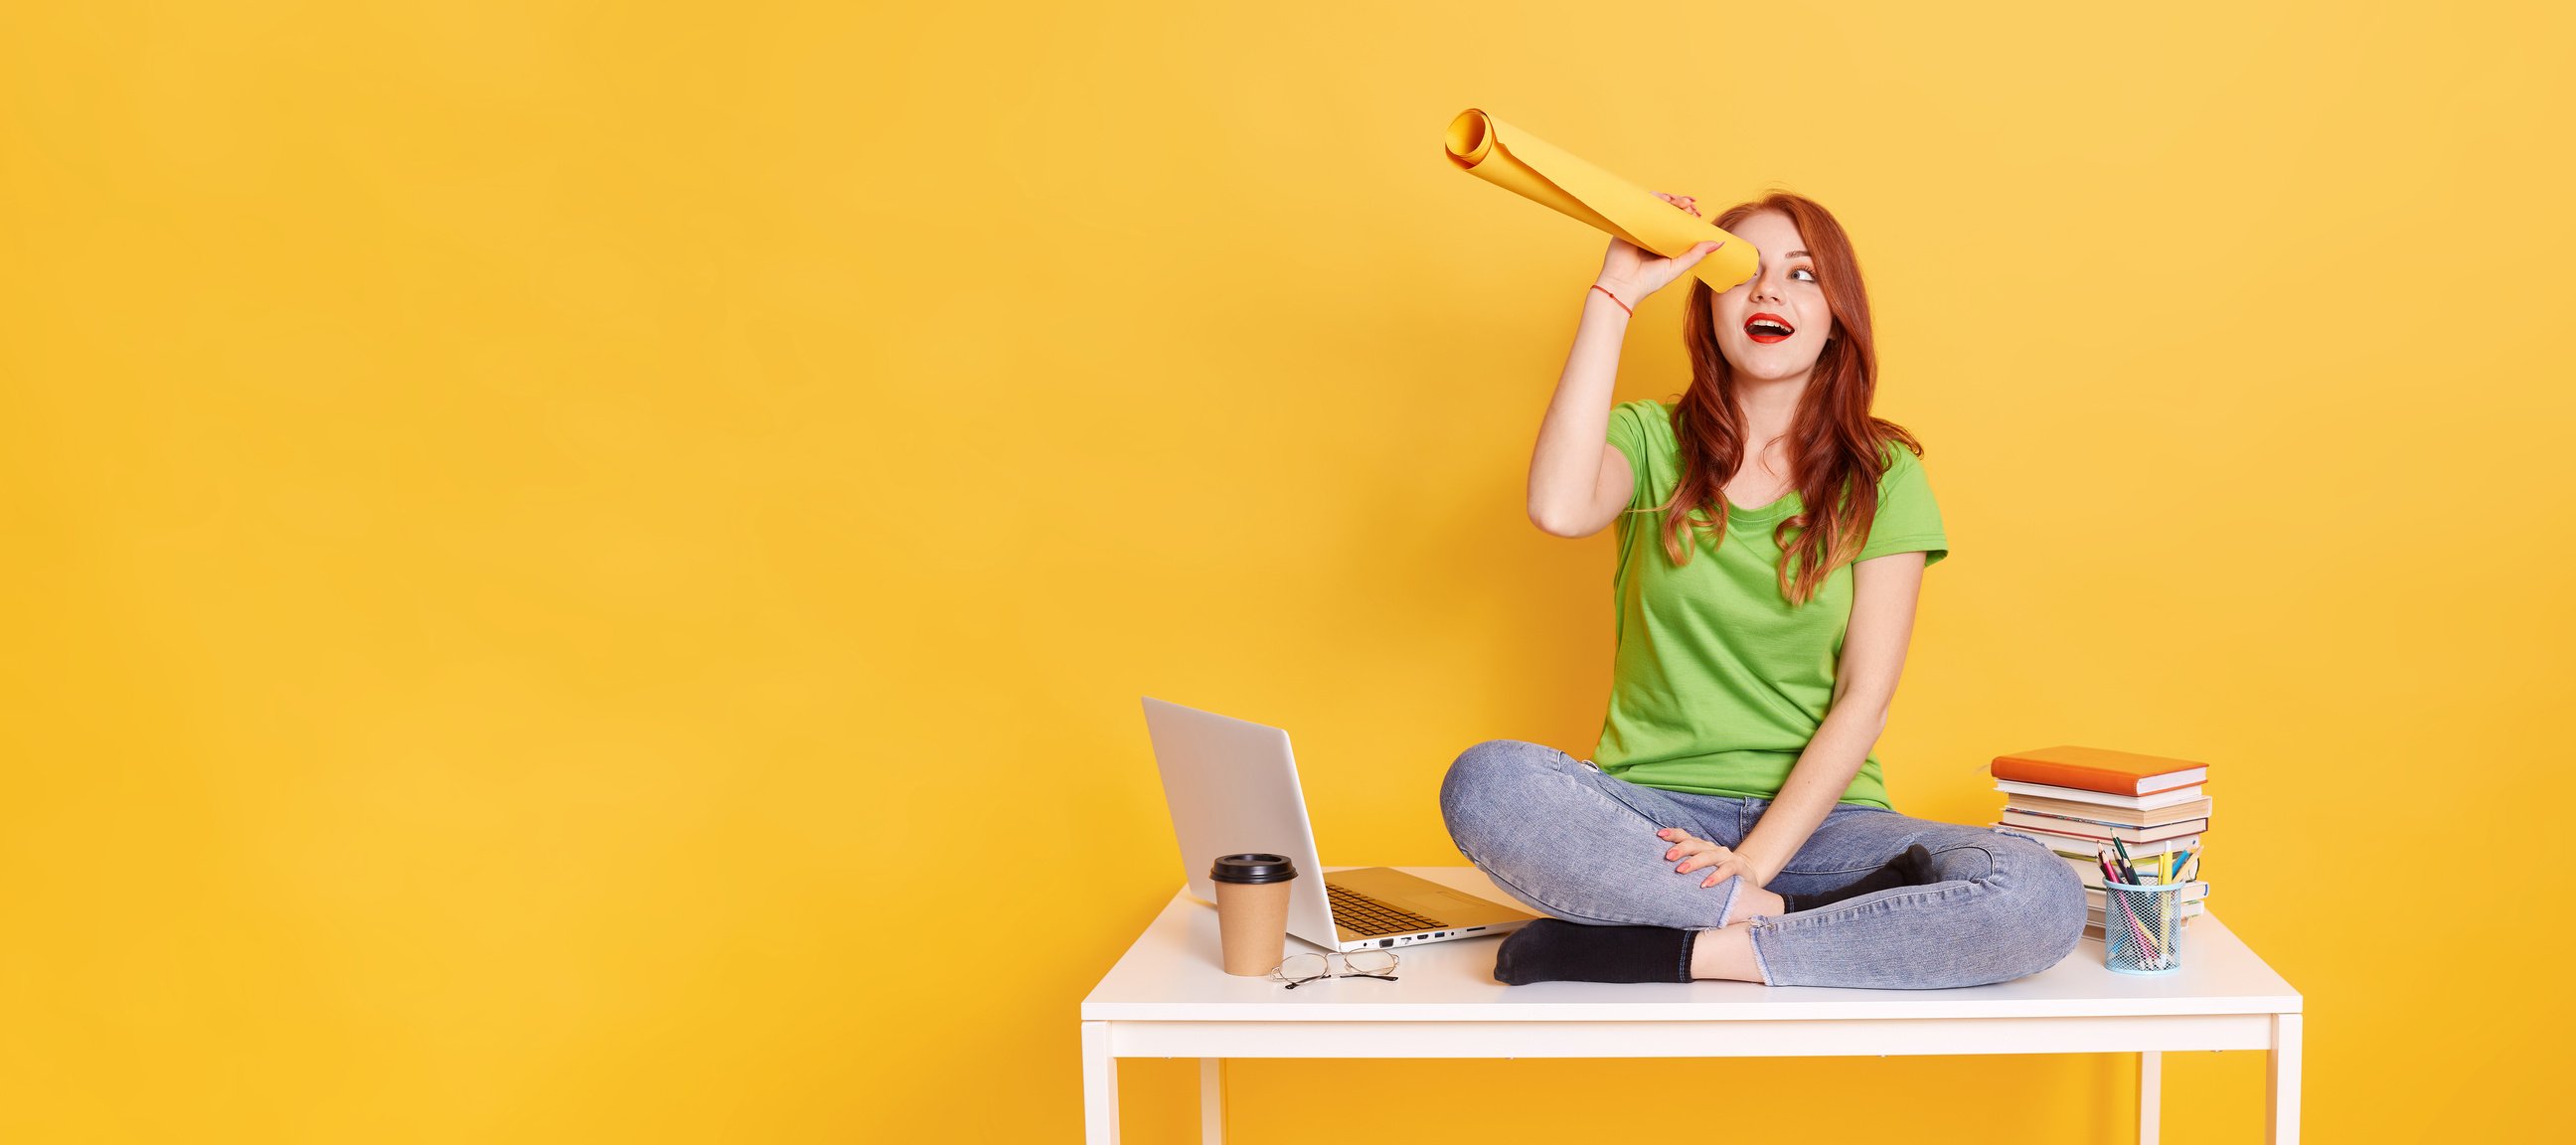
(1525,165)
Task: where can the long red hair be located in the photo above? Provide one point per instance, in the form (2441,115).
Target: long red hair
(1833,444)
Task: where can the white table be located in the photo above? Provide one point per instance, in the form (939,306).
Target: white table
(1169,997)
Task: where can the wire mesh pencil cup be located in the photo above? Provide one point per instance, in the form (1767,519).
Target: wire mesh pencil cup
(2142,927)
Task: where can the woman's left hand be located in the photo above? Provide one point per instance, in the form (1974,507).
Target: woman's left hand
(1723,862)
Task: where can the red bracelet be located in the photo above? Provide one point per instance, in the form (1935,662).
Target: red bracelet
(1614,300)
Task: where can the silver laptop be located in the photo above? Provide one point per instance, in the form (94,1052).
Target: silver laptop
(1232,786)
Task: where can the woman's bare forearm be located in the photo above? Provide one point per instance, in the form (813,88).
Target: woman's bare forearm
(1817,781)
(1565,468)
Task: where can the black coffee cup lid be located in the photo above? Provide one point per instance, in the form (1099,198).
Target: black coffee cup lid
(1253,868)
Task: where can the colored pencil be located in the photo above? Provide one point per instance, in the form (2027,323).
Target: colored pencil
(2148,953)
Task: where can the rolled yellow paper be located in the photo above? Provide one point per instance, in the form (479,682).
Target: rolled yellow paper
(1525,165)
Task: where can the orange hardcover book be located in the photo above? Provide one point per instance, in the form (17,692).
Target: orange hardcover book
(2100,769)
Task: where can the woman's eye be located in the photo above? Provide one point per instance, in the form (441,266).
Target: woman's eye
(1811,275)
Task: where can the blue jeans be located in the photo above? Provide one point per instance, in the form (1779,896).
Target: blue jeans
(1875,898)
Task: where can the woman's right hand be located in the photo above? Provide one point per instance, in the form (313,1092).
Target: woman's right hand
(1632,272)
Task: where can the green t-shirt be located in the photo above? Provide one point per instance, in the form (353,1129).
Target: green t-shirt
(1719,683)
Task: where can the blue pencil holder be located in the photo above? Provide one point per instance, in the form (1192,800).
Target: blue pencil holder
(2142,927)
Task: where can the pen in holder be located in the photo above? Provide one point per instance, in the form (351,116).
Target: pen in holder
(2142,926)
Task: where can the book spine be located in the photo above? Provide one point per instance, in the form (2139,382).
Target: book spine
(2083,846)
(2123,816)
(2074,810)
(2016,788)
(2091,831)
(2081,850)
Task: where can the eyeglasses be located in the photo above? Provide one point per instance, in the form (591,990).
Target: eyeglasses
(1300,969)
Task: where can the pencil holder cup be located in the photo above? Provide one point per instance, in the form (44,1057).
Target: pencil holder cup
(2142,927)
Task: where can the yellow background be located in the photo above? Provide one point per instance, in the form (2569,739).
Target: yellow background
(584,571)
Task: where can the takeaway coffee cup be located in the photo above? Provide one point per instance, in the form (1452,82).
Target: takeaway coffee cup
(1252,910)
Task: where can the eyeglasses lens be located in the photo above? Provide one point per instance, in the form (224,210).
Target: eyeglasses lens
(1370,961)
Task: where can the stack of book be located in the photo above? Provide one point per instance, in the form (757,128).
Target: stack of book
(2077,800)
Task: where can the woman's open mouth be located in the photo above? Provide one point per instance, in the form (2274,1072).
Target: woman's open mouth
(1767,328)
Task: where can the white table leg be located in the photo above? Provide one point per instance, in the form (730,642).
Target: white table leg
(1212,1100)
(2151,1096)
(2285,1078)
(1099,1086)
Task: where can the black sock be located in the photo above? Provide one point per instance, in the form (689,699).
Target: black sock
(1554,950)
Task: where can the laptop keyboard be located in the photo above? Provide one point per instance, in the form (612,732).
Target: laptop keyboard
(1369,916)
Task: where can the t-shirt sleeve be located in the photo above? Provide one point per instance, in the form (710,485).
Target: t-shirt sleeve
(1909,519)
(1629,424)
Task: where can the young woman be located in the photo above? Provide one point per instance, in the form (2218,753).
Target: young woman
(1772,539)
